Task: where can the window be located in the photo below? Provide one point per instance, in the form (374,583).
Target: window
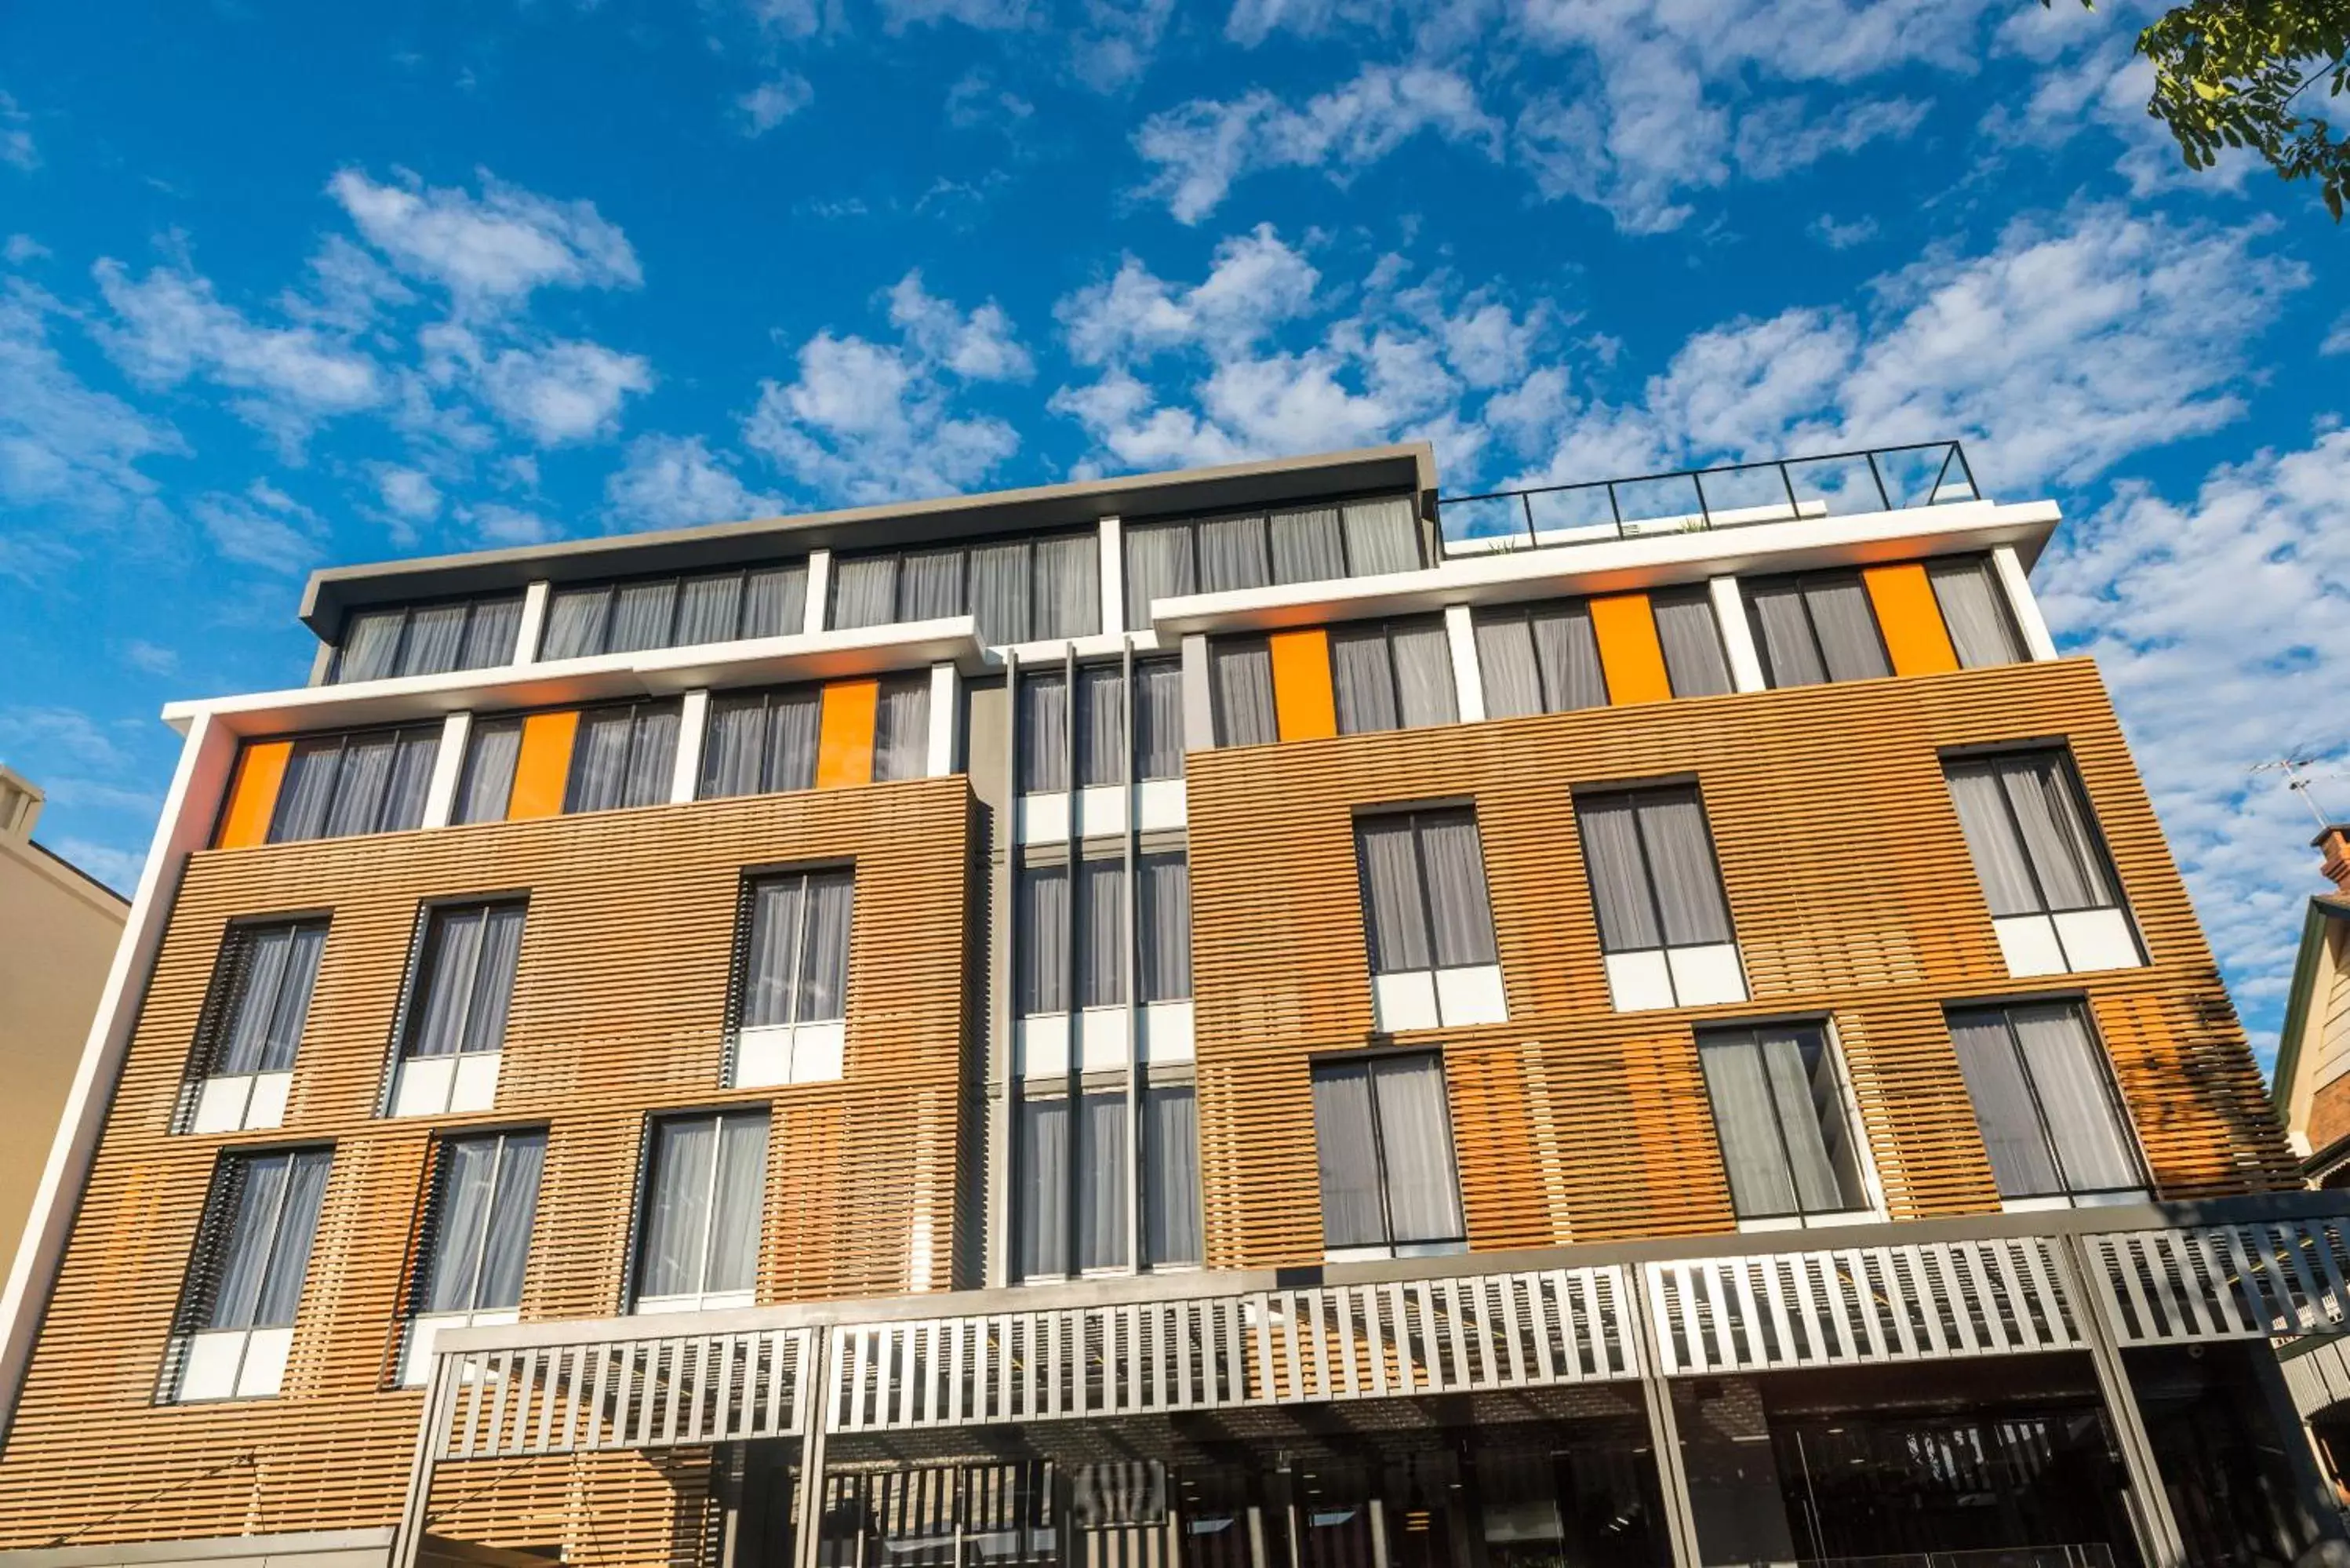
(1301,544)
(1425,912)
(901,729)
(1778,1110)
(1101,740)
(1814,629)
(1384,1141)
(493,750)
(374,781)
(794,973)
(455,1014)
(1664,924)
(675,612)
(429,639)
(236,1311)
(1166,925)
(477,1238)
(1018,590)
(1539,658)
(624,755)
(1046,926)
(703,1195)
(251,1026)
(1057,1182)
(2055,901)
(1396,675)
(1171,1175)
(1695,665)
(760,742)
(2049,1119)
(1242,670)
(1974,610)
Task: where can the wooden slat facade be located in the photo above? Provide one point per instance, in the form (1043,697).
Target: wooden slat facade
(619,1010)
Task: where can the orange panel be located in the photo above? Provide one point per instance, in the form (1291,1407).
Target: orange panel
(844,745)
(542,771)
(1910,619)
(1629,654)
(253,793)
(1301,700)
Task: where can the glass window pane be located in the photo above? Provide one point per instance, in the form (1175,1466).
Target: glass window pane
(436,641)
(1695,665)
(1393,902)
(1101,724)
(1382,537)
(289,1252)
(491,635)
(864,591)
(1457,905)
(2002,864)
(493,977)
(452,945)
(1803,1093)
(771,971)
(741,1193)
(2093,1145)
(599,760)
(252,1192)
(1423,665)
(901,729)
(1681,862)
(1306,546)
(1044,720)
(1362,680)
(930,584)
(824,959)
(1101,931)
(677,1205)
(575,622)
(1041,939)
(1158,567)
(775,601)
(643,616)
(306,791)
(1736,1086)
(653,754)
(271,971)
(1041,1187)
(1000,588)
(733,746)
(1170,1163)
(513,1210)
(1347,1152)
(1974,609)
(361,783)
(1166,937)
(2012,1133)
(370,645)
(1619,877)
(793,719)
(1102,1168)
(1069,585)
(2055,827)
(1567,649)
(1505,664)
(1416,1149)
(1232,554)
(1783,633)
(1243,694)
(709,608)
(491,752)
(1846,624)
(467,1178)
(415,753)
(1159,718)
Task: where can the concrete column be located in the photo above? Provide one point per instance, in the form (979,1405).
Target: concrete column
(2159,1540)
(448,765)
(322,661)
(1468,678)
(809,1525)
(533,626)
(1664,1430)
(1113,578)
(945,697)
(2009,567)
(685,772)
(1199,696)
(1737,635)
(819,590)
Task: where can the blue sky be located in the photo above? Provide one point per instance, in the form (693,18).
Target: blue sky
(287,284)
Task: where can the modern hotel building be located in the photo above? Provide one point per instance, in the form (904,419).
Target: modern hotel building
(1249,1018)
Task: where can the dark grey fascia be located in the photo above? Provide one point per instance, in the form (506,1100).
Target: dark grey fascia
(334,592)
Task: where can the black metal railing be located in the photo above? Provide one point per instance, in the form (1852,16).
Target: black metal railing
(1873,479)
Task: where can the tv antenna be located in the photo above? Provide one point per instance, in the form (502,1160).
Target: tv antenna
(2298,779)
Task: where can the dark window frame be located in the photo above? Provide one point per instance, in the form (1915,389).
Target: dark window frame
(404,1019)
(2069,772)
(2108,1086)
(407,609)
(1370,1061)
(1608,794)
(343,740)
(609,588)
(632,1273)
(963,547)
(1801,582)
(1411,816)
(1832,1057)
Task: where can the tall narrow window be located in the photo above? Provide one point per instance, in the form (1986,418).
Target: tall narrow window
(455,1014)
(429,639)
(1384,1141)
(1297,545)
(703,1195)
(370,782)
(485,788)
(760,742)
(1695,665)
(236,1322)
(624,755)
(794,978)
(1974,610)
(1815,628)
(1778,1110)
(251,1026)
(1539,658)
(1664,923)
(1100,741)
(1069,1169)
(1159,718)
(477,1238)
(1044,924)
(675,612)
(2045,1101)
(1043,764)
(1392,676)
(1433,960)
(901,729)
(1018,590)
(1165,937)
(2055,901)
(1242,670)
(1170,1176)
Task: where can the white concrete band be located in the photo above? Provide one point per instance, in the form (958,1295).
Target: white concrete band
(1737,636)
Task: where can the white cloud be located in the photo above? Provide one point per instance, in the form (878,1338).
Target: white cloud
(262,527)
(490,250)
(1782,135)
(1200,148)
(2206,691)
(17,148)
(408,493)
(23,248)
(63,444)
(871,421)
(495,523)
(117,867)
(67,733)
(771,103)
(1113,45)
(1256,282)
(149,658)
(987,15)
(676,482)
(1842,236)
(564,391)
(2337,336)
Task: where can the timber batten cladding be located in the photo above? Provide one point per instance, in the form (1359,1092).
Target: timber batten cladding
(1852,896)
(619,1010)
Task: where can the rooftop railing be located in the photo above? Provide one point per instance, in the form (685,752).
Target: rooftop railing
(1689,500)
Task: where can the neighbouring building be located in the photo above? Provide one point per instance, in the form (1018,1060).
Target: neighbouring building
(58,930)
(1261,1017)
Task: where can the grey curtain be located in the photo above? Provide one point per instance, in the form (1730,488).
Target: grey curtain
(1041,1179)
(643,616)
(864,591)
(363,776)
(775,601)
(1232,554)
(274,969)
(1394,903)
(1171,1181)
(771,974)
(2027,828)
(1308,546)
(1044,750)
(491,636)
(470,952)
(1423,668)
(1362,680)
(272,1218)
(1505,664)
(2020,1160)
(1782,634)
(736,1201)
(1620,878)
(1166,935)
(575,622)
(336,785)
(1382,537)
(709,608)
(1415,1138)
(1102,1166)
(2093,1146)
(1974,611)
(2002,864)
(1846,624)
(793,717)
(652,754)
(1069,585)
(1101,724)
(702,1213)
(306,790)
(488,1197)
(1041,939)
(1681,861)
(1779,1118)
(901,729)
(824,956)
(436,641)
(1455,870)
(1000,592)
(1694,663)
(758,742)
(1242,667)
(514,1210)
(1567,650)
(491,748)
(930,584)
(1347,1151)
(1101,933)
(1816,629)
(1159,718)
(370,645)
(1158,567)
(623,757)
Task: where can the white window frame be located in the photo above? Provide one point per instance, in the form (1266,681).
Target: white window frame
(798,1050)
